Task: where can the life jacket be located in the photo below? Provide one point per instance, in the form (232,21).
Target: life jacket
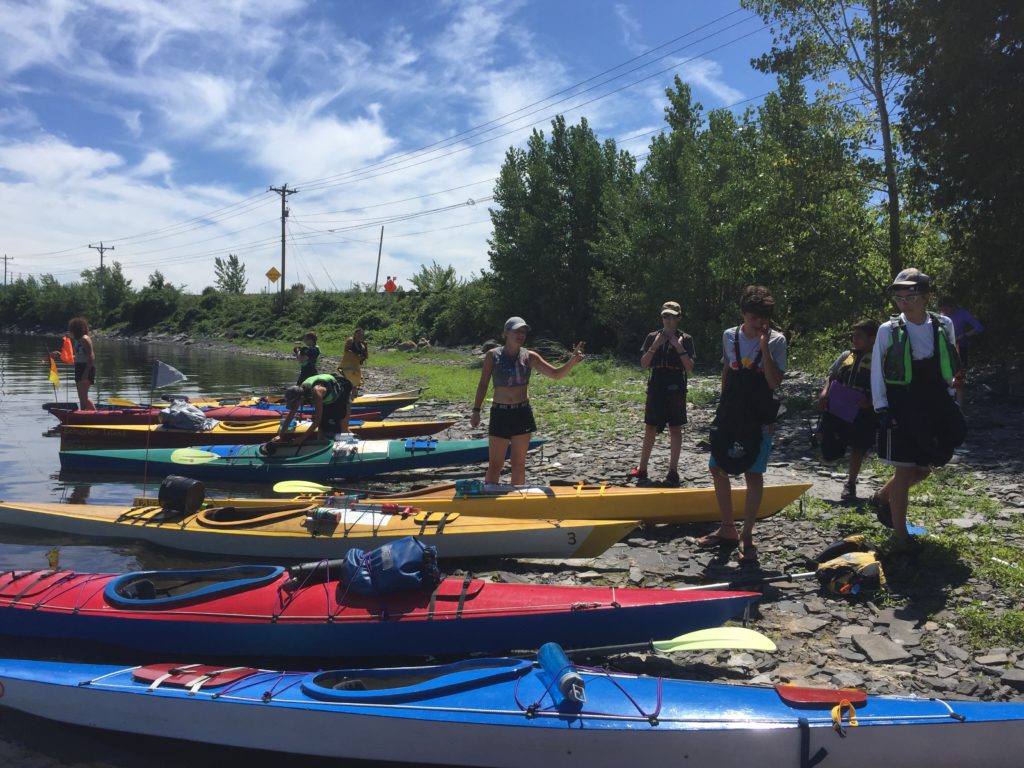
(854,372)
(897,366)
(328,382)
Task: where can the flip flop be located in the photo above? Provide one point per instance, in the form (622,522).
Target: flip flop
(713,540)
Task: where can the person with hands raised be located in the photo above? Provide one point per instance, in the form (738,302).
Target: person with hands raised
(668,354)
(511,423)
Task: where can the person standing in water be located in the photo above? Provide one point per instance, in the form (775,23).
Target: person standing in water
(511,420)
(85,360)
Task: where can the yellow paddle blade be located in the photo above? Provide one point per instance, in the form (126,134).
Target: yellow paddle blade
(406,408)
(192,456)
(123,403)
(300,486)
(739,638)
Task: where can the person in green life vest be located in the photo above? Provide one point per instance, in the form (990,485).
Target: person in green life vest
(847,418)
(913,365)
(308,355)
(330,397)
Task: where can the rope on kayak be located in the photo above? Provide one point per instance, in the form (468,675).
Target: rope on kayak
(534,709)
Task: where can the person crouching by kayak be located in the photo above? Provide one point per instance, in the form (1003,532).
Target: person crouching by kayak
(511,421)
(754,357)
(913,366)
(668,354)
(329,395)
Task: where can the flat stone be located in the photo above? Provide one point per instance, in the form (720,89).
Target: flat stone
(992,659)
(954,652)
(847,680)
(791,606)
(1014,678)
(850,630)
(879,649)
(901,634)
(850,655)
(808,625)
(792,670)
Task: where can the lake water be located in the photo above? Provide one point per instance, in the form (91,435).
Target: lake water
(30,471)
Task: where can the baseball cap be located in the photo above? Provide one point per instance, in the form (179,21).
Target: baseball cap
(671,308)
(515,323)
(913,280)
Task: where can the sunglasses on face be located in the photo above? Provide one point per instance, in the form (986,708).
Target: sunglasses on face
(906,299)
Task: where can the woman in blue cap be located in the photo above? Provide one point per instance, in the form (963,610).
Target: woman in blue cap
(511,422)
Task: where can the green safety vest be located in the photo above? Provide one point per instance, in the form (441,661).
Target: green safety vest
(897,366)
(329,382)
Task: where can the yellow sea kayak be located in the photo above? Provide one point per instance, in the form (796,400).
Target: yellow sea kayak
(305,530)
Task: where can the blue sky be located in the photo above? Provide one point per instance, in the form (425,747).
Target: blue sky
(157,127)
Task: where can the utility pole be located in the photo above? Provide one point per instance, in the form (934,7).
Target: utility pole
(101,248)
(6,259)
(380,248)
(283,191)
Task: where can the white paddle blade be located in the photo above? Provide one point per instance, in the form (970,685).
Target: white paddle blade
(733,638)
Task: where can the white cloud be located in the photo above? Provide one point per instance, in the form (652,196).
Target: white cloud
(54,163)
(154,164)
(630,29)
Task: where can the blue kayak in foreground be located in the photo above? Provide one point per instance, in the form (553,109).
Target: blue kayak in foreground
(511,712)
(322,461)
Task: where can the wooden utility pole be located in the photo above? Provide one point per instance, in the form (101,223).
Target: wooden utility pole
(6,259)
(380,248)
(101,248)
(283,191)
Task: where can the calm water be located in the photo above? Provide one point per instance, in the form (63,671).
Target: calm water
(31,472)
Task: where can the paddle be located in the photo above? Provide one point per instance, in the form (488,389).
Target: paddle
(301,486)
(192,456)
(715,638)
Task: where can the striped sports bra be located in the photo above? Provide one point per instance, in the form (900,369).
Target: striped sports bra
(508,371)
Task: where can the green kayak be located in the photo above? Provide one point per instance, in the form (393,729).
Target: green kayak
(318,461)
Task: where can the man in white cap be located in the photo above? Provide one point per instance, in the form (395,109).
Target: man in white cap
(913,366)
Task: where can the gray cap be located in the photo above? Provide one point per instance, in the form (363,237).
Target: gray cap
(515,323)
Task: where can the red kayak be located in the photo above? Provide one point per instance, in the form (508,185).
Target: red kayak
(264,611)
(143,415)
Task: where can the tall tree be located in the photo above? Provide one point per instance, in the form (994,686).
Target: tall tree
(819,37)
(230,274)
(964,116)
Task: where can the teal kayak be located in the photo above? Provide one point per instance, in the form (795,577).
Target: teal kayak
(317,461)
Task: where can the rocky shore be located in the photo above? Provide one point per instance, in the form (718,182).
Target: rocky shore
(902,641)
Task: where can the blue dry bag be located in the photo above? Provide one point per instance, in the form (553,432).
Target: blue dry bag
(402,565)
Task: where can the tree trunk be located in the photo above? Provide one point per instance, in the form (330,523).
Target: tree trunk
(891,184)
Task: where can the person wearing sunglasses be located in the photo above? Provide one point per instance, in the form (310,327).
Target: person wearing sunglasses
(913,366)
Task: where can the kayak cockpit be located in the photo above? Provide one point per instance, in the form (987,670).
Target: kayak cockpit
(411,683)
(167,589)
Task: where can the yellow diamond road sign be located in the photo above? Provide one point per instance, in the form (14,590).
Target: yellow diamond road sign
(273,274)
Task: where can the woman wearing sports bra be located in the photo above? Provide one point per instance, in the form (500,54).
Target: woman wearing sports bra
(511,423)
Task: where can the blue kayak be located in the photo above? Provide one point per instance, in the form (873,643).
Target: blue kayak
(515,712)
(322,461)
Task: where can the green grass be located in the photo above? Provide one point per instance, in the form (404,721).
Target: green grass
(952,558)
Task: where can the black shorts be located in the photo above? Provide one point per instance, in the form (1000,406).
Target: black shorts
(85,372)
(665,405)
(507,421)
(334,414)
(837,435)
(922,438)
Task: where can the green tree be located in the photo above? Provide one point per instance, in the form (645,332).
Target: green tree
(964,63)
(435,278)
(230,274)
(821,37)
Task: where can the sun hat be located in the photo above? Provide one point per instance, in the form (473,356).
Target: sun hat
(671,308)
(515,323)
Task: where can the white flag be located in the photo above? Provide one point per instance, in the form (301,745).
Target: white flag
(164,374)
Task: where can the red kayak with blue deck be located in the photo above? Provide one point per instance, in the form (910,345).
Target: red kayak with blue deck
(268,611)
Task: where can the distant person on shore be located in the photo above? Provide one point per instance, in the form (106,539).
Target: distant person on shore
(966,327)
(352,359)
(754,359)
(330,397)
(668,354)
(85,360)
(308,356)
(847,418)
(511,419)
(390,286)
(913,366)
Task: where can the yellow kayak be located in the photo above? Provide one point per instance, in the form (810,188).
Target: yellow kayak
(578,502)
(307,530)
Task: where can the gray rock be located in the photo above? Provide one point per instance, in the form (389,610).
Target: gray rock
(1014,678)
(879,649)
(992,659)
(847,680)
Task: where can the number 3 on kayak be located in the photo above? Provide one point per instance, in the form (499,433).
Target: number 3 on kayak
(572,538)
